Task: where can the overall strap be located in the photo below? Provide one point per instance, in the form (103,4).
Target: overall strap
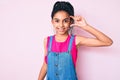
(50,43)
(70,43)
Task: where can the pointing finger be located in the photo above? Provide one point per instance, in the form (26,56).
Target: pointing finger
(72,17)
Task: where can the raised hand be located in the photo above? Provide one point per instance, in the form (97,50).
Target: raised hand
(78,21)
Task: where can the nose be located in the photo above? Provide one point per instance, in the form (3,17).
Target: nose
(61,24)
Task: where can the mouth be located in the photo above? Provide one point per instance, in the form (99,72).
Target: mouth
(61,29)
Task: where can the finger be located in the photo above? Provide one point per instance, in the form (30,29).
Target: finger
(76,17)
(72,17)
(72,25)
(79,17)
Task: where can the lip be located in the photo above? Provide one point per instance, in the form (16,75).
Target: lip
(61,29)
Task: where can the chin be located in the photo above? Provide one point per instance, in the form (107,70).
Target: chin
(62,33)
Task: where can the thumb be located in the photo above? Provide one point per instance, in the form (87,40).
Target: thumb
(72,25)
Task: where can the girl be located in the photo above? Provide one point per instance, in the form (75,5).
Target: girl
(61,48)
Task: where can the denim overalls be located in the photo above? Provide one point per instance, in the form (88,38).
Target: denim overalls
(60,65)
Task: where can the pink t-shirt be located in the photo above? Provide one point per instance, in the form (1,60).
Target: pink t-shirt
(63,47)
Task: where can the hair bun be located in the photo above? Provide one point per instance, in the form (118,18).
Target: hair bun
(62,5)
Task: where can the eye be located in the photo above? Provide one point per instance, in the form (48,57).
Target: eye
(66,20)
(56,21)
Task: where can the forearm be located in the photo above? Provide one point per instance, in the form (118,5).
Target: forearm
(99,35)
(42,72)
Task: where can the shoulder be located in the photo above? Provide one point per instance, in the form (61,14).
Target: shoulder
(46,39)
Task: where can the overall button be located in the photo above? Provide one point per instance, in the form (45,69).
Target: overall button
(56,65)
(56,74)
(56,54)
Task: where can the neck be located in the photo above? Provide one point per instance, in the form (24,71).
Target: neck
(61,38)
(62,35)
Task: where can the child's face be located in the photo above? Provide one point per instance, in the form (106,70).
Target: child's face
(61,22)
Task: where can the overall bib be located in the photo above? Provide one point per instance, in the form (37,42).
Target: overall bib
(60,65)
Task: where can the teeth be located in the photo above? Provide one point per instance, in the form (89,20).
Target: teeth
(61,29)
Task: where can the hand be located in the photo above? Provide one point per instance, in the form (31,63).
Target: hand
(79,21)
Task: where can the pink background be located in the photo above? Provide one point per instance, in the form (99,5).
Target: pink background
(25,23)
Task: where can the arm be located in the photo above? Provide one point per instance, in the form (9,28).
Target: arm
(44,66)
(43,72)
(100,38)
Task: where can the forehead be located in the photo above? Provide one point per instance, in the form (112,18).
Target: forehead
(61,15)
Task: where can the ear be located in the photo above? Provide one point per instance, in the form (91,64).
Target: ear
(51,21)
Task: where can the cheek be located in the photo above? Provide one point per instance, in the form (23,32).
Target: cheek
(67,25)
(55,25)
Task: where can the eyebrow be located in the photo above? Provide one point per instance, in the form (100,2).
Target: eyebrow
(58,19)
